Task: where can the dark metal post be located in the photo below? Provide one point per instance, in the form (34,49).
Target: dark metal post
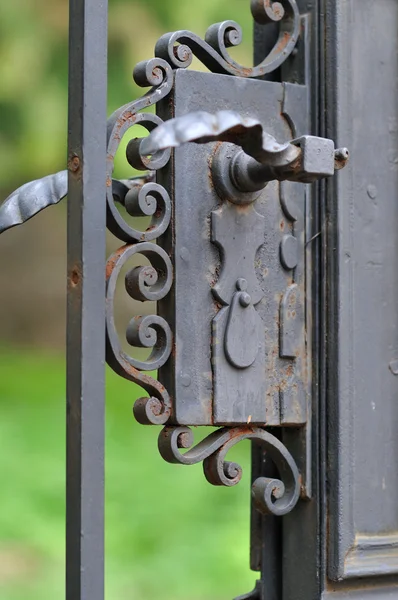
(86,300)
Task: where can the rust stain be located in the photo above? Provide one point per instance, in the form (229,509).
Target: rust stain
(210,160)
(183,440)
(74,166)
(111,264)
(243,208)
(126,116)
(289,371)
(245,71)
(283,42)
(75,275)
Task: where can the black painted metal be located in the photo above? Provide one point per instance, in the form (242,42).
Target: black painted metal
(361,265)
(86,300)
(265,287)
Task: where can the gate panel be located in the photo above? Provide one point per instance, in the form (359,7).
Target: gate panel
(362,266)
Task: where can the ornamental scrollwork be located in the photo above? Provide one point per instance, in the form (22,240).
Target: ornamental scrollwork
(178,48)
(142,197)
(271,496)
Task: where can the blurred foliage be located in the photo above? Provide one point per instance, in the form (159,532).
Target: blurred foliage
(169,534)
(34,69)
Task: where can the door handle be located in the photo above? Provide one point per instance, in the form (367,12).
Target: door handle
(257,158)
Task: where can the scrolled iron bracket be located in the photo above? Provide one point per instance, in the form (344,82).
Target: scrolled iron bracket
(178,48)
(271,496)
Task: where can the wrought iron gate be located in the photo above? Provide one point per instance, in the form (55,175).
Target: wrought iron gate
(274,279)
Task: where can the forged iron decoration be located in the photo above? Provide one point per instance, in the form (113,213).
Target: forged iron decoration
(229,341)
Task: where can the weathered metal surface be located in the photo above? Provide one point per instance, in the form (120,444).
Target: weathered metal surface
(30,199)
(86,300)
(238,350)
(287,552)
(224,126)
(275,496)
(292,395)
(143,283)
(361,245)
(178,48)
(235,336)
(33,197)
(306,159)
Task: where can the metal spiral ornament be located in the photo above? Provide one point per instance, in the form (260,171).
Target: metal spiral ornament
(145,283)
(178,48)
(270,496)
(148,200)
(142,283)
(158,74)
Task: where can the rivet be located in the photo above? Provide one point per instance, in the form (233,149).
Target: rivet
(245,300)
(185,380)
(241,284)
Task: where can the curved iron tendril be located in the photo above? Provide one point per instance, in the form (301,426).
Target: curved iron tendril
(142,283)
(271,496)
(178,48)
(158,74)
(35,196)
(31,198)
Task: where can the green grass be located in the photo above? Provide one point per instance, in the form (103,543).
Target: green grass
(169,534)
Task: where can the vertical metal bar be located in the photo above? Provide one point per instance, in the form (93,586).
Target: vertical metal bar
(265,531)
(86,300)
(266,534)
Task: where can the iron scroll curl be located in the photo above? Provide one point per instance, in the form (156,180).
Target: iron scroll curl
(178,48)
(145,283)
(142,283)
(270,496)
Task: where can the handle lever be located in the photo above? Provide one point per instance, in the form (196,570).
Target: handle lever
(33,197)
(263,159)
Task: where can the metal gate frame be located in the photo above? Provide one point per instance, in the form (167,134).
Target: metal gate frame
(87,118)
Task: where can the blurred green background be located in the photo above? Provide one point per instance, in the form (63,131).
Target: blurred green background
(169,534)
